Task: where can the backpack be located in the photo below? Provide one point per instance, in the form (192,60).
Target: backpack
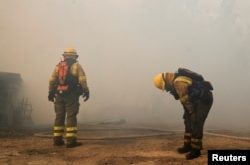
(199,88)
(66,81)
(198,80)
(190,74)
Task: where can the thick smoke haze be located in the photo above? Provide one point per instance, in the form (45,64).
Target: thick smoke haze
(122,45)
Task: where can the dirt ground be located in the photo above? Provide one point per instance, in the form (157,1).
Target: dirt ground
(152,150)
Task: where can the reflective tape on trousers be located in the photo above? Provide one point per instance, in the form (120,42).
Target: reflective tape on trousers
(57,134)
(71,129)
(70,135)
(57,128)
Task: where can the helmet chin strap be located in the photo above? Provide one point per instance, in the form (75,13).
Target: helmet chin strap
(165,82)
(167,87)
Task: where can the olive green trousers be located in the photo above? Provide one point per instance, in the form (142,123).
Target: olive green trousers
(194,122)
(66,109)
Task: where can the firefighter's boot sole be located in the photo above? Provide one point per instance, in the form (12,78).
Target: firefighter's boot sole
(59,143)
(184,149)
(193,154)
(72,145)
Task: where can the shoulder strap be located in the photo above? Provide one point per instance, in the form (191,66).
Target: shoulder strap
(190,74)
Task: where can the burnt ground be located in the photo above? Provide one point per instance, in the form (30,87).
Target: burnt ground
(152,150)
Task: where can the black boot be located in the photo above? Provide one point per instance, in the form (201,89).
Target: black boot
(194,153)
(73,143)
(187,144)
(58,141)
(184,149)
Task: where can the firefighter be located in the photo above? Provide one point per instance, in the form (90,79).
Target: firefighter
(196,97)
(66,84)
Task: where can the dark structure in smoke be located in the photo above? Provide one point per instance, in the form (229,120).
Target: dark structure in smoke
(14,110)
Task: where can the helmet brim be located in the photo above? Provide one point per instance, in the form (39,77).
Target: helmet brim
(70,55)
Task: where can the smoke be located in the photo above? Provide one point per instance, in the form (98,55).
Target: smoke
(122,45)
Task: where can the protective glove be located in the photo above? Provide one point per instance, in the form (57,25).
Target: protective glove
(189,108)
(51,96)
(174,93)
(85,95)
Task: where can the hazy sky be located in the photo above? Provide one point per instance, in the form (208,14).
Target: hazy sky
(122,45)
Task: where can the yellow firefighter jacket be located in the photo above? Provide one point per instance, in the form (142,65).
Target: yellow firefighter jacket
(181,85)
(76,70)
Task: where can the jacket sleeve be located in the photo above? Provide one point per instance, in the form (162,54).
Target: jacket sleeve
(53,79)
(82,78)
(181,85)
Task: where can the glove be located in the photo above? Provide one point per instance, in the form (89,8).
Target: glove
(85,95)
(51,96)
(173,92)
(189,108)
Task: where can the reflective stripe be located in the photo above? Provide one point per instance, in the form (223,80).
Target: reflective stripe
(68,129)
(70,135)
(184,79)
(196,146)
(187,134)
(196,140)
(187,140)
(57,134)
(196,143)
(58,128)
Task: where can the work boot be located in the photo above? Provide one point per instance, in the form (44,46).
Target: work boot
(73,143)
(184,149)
(58,141)
(194,153)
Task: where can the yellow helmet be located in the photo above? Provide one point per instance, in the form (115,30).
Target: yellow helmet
(164,80)
(70,52)
(159,81)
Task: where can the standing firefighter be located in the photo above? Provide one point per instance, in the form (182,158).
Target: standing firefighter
(66,84)
(197,99)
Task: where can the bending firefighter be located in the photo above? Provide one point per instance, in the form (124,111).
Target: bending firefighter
(66,84)
(196,97)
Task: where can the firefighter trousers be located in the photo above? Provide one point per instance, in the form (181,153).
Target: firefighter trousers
(194,122)
(66,108)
